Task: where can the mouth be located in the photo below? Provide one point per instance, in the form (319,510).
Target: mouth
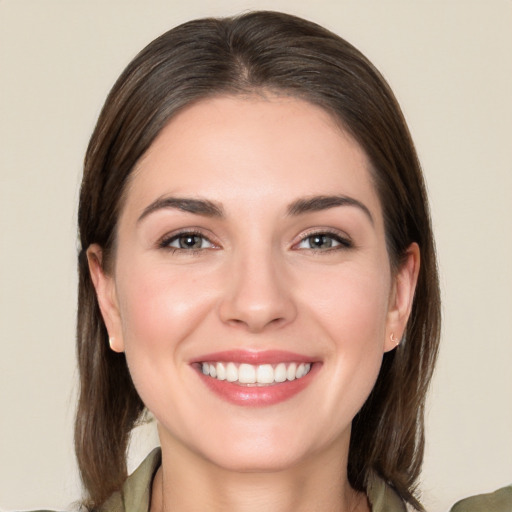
(255,375)
(250,378)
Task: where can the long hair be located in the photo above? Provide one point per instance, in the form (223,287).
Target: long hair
(257,52)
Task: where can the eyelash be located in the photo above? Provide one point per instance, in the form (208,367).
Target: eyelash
(167,240)
(343,242)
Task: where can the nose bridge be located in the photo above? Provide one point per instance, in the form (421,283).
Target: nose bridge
(256,294)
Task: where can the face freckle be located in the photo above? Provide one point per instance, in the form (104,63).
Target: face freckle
(252,235)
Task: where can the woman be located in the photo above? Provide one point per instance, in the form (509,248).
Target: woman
(258,271)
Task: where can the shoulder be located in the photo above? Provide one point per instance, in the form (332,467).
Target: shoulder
(498,501)
(136,492)
(383,497)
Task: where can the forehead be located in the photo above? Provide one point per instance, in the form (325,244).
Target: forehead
(245,149)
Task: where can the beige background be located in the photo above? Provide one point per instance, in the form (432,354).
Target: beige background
(450,64)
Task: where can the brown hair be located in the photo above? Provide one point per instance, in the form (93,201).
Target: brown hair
(259,51)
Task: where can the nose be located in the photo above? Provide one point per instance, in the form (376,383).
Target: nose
(258,294)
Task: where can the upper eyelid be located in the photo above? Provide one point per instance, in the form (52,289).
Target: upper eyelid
(169,237)
(344,241)
(335,233)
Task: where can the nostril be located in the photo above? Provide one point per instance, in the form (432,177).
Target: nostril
(255,324)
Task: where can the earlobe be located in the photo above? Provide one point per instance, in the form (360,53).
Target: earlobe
(106,294)
(402,296)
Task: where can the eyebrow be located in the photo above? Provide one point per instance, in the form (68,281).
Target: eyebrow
(318,203)
(211,209)
(196,206)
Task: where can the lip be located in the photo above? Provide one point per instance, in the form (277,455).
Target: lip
(256,396)
(255,357)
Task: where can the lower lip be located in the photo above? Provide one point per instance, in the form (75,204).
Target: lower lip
(258,396)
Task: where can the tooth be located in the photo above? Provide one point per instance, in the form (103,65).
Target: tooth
(290,373)
(246,374)
(261,374)
(221,371)
(231,372)
(280,373)
(265,374)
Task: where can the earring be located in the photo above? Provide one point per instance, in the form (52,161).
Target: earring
(111,342)
(395,341)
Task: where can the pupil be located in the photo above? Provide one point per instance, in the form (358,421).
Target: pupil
(190,242)
(321,241)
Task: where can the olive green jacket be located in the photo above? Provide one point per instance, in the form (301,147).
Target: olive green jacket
(498,501)
(136,492)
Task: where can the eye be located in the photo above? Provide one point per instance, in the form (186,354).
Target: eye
(187,241)
(323,241)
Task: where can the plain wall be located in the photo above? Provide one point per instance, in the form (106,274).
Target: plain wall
(450,65)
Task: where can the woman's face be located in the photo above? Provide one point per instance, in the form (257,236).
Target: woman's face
(251,247)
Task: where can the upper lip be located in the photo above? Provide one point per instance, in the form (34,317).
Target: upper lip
(254,357)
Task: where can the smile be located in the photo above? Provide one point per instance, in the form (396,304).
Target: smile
(256,378)
(255,375)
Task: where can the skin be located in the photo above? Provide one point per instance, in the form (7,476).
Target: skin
(258,282)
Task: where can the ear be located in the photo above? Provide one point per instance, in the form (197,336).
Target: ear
(402,296)
(104,285)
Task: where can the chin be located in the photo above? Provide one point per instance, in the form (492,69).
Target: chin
(271,447)
(268,460)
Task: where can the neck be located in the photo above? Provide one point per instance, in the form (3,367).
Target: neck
(183,484)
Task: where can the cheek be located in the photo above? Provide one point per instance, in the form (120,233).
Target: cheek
(160,308)
(352,302)
(351,307)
